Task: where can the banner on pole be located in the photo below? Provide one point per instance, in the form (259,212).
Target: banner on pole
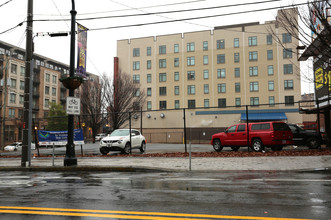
(82,44)
(59,137)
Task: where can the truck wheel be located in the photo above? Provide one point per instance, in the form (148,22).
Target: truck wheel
(257,145)
(277,148)
(126,149)
(313,143)
(143,147)
(104,151)
(217,145)
(235,148)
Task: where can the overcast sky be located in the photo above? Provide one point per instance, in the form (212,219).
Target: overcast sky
(101,40)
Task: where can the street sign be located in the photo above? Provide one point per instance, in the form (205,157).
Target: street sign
(73,106)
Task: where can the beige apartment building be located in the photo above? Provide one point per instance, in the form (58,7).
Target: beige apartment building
(215,74)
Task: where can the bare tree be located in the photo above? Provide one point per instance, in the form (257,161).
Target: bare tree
(127,98)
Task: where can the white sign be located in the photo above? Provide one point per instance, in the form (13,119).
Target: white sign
(73,106)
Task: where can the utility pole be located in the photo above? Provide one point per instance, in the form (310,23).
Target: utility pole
(5,102)
(28,74)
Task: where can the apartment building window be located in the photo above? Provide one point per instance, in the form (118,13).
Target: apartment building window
(162,77)
(21,112)
(149,78)
(190,47)
(206,88)
(136,65)
(136,52)
(271,100)
(205,74)
(22,71)
(237,72)
(270,70)
(191,75)
(176,76)
(149,64)
(176,62)
(176,48)
(253,71)
(191,89)
(149,105)
(288,84)
(220,44)
(13,68)
(254,86)
(237,87)
(176,90)
(11,113)
(149,51)
(47,77)
(46,103)
(287,38)
(287,53)
(54,79)
(47,90)
(205,59)
(163,104)
(252,41)
(191,61)
(137,93)
(238,102)
(162,63)
(236,58)
(271,85)
(221,88)
(236,42)
(288,68)
(269,39)
(12,98)
(177,104)
(191,103)
(12,83)
(206,103)
(53,91)
(254,101)
(270,55)
(136,78)
(205,45)
(221,73)
(289,100)
(253,56)
(21,99)
(149,91)
(162,49)
(222,103)
(163,91)
(220,58)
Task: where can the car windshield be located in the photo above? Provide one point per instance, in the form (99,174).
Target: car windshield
(120,133)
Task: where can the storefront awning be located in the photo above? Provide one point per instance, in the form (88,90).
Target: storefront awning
(264,116)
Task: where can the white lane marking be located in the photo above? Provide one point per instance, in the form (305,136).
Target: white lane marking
(110,178)
(293,180)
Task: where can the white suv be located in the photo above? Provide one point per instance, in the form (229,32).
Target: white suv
(119,140)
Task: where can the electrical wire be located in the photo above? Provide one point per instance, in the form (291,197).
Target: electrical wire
(20,24)
(5,3)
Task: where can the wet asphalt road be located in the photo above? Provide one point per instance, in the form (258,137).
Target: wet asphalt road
(299,195)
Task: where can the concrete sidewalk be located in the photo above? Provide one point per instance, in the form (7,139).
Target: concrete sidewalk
(172,163)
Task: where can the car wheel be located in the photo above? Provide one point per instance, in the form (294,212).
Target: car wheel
(277,148)
(235,148)
(217,145)
(104,151)
(313,143)
(257,145)
(126,149)
(143,147)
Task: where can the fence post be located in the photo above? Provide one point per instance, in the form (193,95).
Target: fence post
(185,130)
(130,131)
(141,120)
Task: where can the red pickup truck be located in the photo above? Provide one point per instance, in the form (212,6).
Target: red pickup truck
(272,134)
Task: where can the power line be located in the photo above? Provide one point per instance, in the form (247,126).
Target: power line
(5,3)
(20,24)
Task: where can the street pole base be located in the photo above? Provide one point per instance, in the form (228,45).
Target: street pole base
(70,161)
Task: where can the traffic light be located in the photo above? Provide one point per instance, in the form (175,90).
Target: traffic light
(35,127)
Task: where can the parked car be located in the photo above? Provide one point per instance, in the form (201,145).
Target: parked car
(309,138)
(261,134)
(17,145)
(98,137)
(119,140)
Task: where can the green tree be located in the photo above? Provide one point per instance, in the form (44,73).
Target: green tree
(57,118)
